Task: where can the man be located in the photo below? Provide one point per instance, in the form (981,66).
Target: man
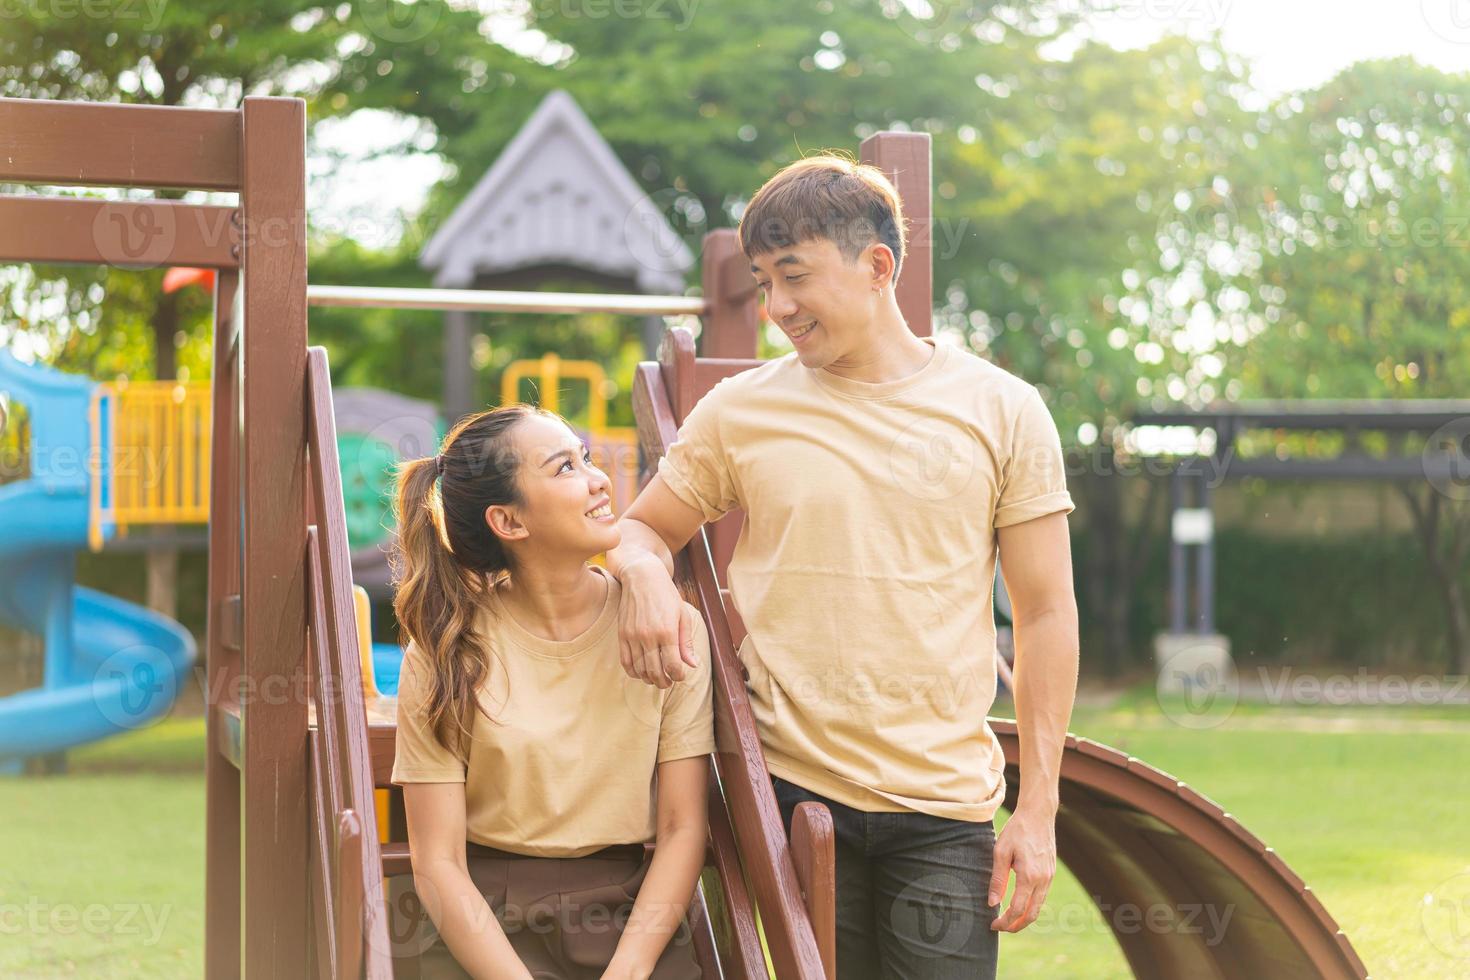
(878,471)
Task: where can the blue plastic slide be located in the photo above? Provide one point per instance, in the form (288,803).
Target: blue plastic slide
(110,665)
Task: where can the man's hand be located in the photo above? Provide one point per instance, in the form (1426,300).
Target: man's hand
(1027,844)
(655,627)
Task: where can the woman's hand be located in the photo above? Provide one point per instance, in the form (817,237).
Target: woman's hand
(678,858)
(625,971)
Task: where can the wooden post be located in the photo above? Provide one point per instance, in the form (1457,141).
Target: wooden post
(222,660)
(459,371)
(729,329)
(273,350)
(907,160)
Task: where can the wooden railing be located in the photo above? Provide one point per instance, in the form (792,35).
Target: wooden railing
(794,886)
(348,917)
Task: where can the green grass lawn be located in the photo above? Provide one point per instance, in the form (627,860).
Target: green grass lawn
(103,868)
(1375,822)
(103,874)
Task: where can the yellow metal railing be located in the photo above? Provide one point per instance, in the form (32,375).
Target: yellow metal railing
(151,451)
(548,370)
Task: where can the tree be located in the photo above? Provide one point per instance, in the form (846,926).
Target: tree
(700,108)
(1059,198)
(1357,203)
(1044,176)
(206,53)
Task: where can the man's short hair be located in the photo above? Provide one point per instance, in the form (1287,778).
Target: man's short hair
(826,196)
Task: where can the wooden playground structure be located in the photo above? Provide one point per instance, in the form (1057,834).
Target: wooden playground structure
(299,881)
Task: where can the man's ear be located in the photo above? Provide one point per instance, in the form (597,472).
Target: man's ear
(505,523)
(882,261)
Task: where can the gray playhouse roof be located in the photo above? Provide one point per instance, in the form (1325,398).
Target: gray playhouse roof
(558,195)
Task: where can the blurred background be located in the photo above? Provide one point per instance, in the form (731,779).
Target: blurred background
(1151,209)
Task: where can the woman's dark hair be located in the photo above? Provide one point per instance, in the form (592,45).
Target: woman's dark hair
(446,559)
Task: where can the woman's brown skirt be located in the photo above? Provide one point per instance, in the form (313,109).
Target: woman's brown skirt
(563,916)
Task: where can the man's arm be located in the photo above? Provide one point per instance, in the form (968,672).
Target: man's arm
(655,631)
(1036,563)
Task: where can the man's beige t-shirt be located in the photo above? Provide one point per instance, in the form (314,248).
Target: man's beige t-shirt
(865,566)
(571,765)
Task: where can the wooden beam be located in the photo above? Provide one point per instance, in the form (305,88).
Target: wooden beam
(503,301)
(339,680)
(275,916)
(111,145)
(906,159)
(814,853)
(135,234)
(222,651)
(745,786)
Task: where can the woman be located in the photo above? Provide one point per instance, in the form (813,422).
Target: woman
(526,754)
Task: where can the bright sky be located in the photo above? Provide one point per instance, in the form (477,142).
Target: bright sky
(1297,44)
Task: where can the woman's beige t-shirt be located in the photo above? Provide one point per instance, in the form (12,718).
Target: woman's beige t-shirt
(572,765)
(865,566)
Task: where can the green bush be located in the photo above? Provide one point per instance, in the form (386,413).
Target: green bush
(1364,600)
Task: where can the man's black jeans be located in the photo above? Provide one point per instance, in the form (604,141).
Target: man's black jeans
(911,892)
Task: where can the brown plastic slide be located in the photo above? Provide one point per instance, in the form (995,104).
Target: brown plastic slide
(1187,890)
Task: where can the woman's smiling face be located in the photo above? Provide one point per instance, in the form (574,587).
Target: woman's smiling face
(566,501)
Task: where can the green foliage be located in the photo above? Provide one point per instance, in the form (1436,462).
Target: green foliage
(1279,599)
(1359,198)
(1061,189)
(1123,228)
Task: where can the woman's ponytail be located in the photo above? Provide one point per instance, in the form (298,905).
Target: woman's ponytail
(445,559)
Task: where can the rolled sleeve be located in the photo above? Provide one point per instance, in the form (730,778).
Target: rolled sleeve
(1035,480)
(696,467)
(687,727)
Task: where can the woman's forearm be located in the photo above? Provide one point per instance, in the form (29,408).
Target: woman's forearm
(467,924)
(663,900)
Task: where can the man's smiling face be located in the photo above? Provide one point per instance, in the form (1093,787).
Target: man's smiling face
(820,301)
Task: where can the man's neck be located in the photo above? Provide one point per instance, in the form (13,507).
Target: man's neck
(890,352)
